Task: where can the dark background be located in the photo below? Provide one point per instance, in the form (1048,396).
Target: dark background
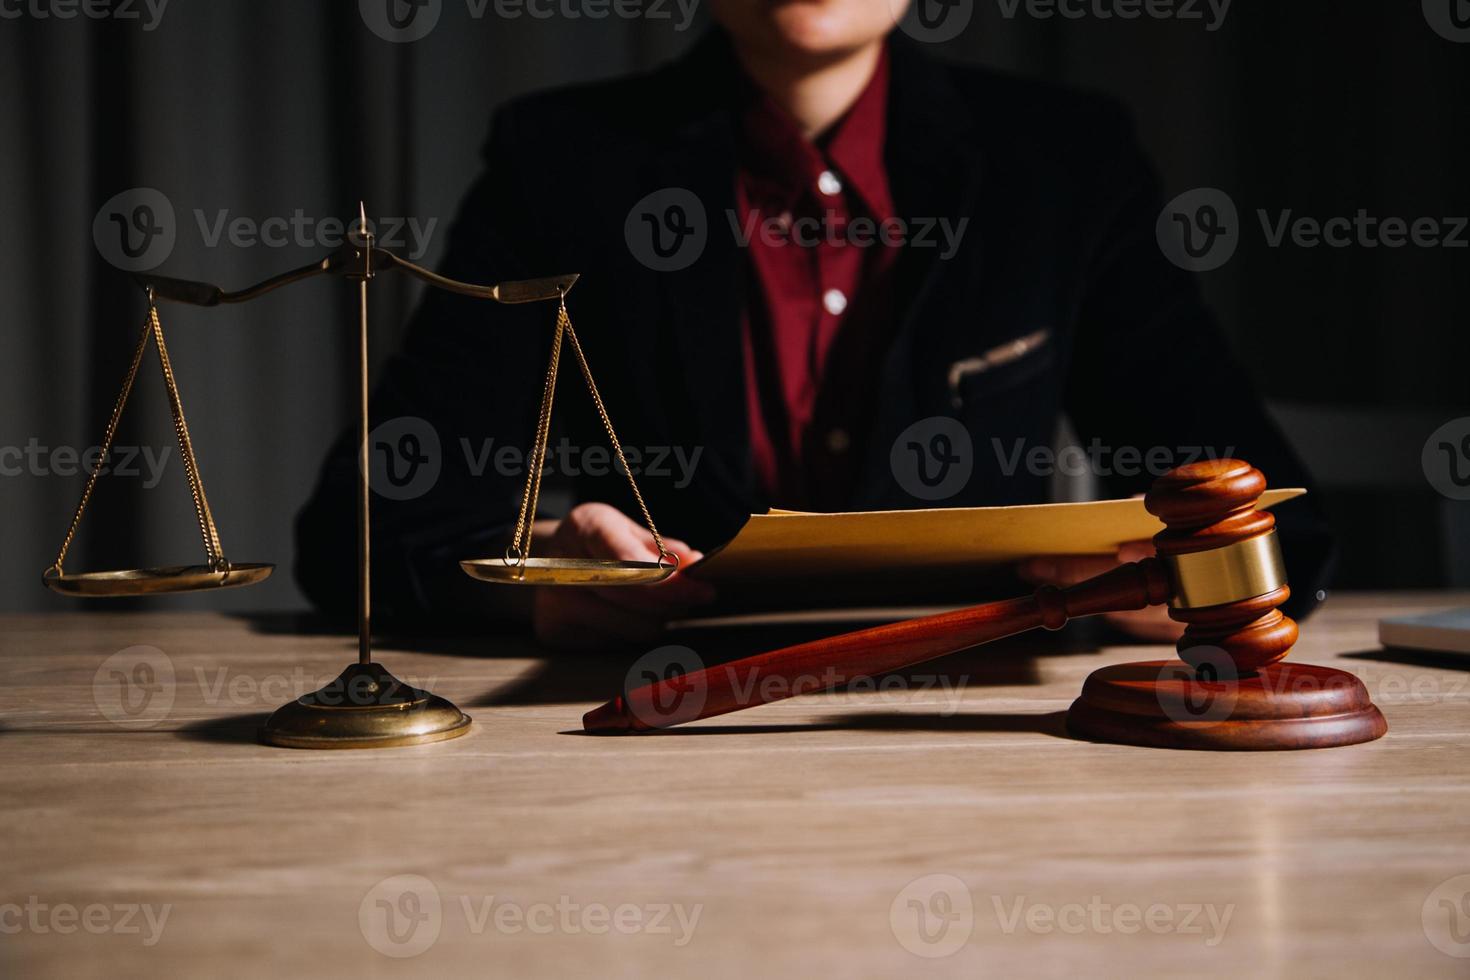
(259,108)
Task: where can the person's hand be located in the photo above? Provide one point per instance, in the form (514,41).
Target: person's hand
(586,618)
(1151,624)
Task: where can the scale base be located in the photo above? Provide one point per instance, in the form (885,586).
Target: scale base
(365,707)
(1165,704)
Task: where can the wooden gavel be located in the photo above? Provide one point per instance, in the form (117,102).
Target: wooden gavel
(1219,568)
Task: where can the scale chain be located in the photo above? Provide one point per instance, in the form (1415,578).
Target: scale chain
(106,449)
(520,546)
(612,436)
(152,327)
(207,529)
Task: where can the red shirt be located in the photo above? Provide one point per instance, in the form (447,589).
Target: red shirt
(817,297)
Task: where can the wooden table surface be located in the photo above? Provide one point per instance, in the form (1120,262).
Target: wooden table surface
(853,834)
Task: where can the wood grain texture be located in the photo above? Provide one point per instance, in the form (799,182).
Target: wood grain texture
(795,831)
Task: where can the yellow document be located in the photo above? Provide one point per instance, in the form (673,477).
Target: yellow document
(794,550)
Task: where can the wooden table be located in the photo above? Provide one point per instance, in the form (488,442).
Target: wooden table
(834,835)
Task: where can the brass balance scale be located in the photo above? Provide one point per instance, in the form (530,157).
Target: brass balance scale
(365,706)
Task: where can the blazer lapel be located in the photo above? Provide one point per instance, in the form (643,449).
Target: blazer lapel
(701,305)
(935,167)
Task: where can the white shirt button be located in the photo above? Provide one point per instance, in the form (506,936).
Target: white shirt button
(834,301)
(828,183)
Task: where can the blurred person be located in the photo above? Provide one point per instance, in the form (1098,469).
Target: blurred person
(886,238)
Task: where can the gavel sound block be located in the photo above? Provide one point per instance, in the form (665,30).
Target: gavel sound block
(1218,567)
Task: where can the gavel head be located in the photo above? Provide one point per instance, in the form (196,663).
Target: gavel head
(1224,566)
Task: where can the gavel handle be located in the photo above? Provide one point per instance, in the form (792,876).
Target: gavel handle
(824,664)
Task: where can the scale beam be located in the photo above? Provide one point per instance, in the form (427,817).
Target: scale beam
(355,261)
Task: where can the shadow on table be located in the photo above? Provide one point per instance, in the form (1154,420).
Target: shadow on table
(1413,658)
(569,678)
(1052,723)
(236,729)
(561,677)
(458,642)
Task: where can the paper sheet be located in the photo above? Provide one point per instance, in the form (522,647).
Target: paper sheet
(793,547)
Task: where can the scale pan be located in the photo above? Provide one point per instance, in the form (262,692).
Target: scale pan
(567,571)
(156,581)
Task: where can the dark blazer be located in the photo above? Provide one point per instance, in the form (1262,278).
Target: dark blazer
(1059,247)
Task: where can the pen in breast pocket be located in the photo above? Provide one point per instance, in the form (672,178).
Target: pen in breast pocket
(1007,352)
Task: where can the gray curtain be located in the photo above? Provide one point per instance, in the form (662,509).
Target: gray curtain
(261,109)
